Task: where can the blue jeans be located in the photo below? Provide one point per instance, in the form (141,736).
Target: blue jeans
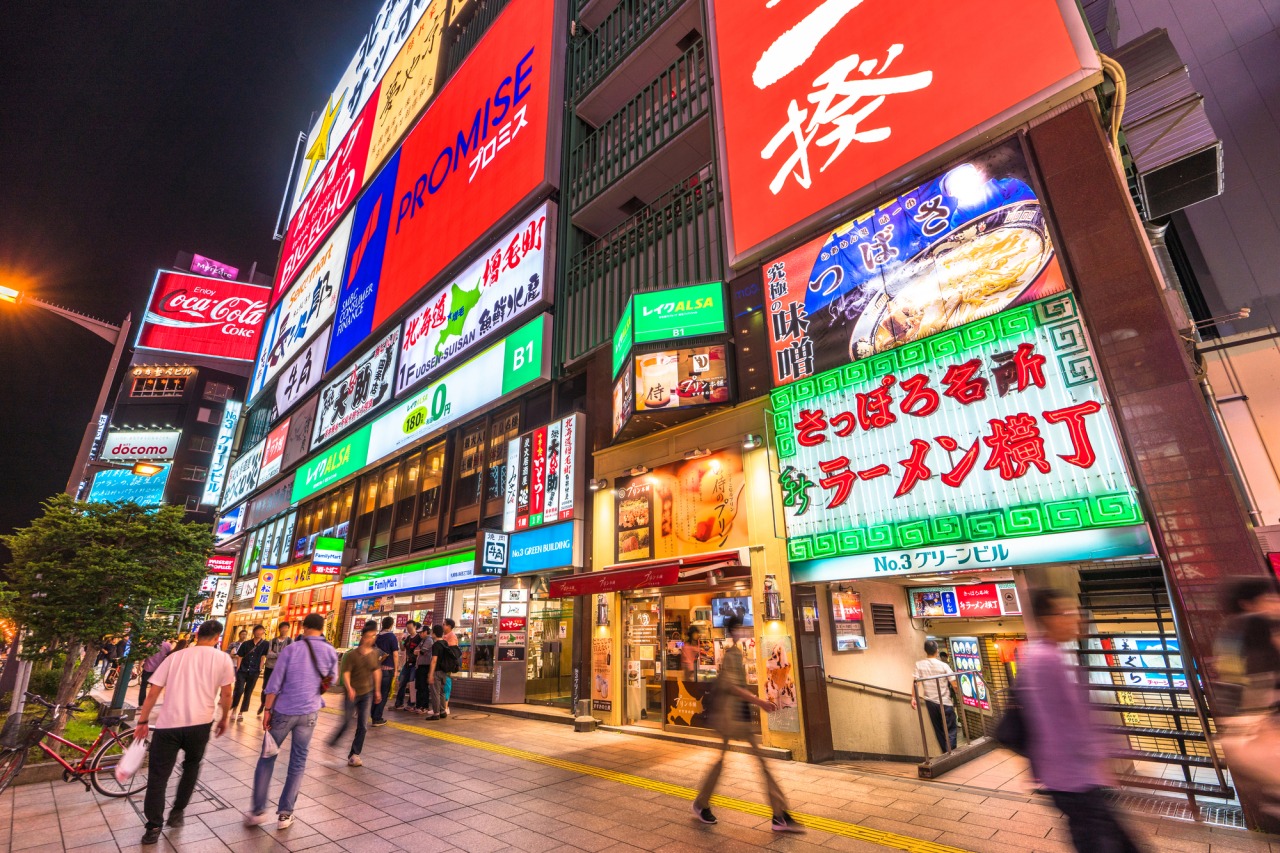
(379,707)
(407,674)
(302,726)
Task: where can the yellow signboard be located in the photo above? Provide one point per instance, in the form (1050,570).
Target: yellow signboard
(409,83)
(299,576)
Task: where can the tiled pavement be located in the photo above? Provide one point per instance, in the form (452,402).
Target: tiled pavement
(424,794)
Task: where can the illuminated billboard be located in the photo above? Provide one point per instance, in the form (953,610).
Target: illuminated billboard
(203,316)
(544,475)
(485,147)
(123,485)
(824,101)
(985,446)
(357,391)
(140,444)
(221,453)
(674,312)
(243,478)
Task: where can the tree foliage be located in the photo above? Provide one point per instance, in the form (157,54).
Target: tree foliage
(83,571)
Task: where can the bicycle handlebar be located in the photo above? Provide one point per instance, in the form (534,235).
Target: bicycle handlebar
(40,700)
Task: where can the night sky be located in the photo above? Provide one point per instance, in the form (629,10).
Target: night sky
(129,132)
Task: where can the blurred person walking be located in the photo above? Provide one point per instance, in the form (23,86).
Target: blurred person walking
(358,673)
(149,666)
(731,718)
(390,647)
(1067,747)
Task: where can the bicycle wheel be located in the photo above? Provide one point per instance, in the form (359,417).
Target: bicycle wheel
(102,767)
(11,761)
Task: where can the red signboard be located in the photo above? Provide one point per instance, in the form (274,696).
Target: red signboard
(978,601)
(619,580)
(204,316)
(219,564)
(485,147)
(511,623)
(338,187)
(823,99)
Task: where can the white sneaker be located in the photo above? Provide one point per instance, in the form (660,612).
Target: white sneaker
(258,819)
(354,761)
(284,821)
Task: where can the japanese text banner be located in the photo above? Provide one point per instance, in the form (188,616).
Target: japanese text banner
(983,435)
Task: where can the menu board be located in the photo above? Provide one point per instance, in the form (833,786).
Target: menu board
(602,673)
(513,605)
(849,634)
(966,660)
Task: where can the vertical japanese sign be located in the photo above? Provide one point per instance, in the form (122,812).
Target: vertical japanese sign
(410,81)
(543,485)
(221,598)
(824,99)
(266,587)
(987,445)
(966,244)
(273,452)
(221,453)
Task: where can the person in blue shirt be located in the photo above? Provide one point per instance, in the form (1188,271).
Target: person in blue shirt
(295,695)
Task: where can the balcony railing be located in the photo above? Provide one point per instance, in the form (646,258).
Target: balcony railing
(486,13)
(593,55)
(675,240)
(675,100)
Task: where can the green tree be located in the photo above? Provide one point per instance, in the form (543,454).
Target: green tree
(83,571)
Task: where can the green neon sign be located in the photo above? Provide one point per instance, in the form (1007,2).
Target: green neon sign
(346,457)
(664,315)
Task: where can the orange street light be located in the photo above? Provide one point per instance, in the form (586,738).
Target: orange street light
(146,469)
(8,294)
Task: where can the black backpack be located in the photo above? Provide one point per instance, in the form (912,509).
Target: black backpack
(451,661)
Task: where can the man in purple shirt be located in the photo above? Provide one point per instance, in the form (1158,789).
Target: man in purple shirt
(1067,747)
(149,666)
(294,699)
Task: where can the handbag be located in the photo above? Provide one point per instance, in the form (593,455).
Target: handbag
(1011,731)
(326,681)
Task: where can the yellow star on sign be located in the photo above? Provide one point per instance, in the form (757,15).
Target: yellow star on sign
(318,153)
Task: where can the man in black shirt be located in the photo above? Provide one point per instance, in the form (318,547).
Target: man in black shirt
(386,643)
(251,654)
(408,671)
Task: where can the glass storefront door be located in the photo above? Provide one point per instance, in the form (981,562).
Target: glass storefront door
(550,666)
(644,665)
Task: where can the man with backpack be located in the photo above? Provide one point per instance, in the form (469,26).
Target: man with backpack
(304,671)
(443,662)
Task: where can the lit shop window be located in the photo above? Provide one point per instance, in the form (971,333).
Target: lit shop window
(159,386)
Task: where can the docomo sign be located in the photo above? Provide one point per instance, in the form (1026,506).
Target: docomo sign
(825,100)
(145,444)
(204,316)
(220,564)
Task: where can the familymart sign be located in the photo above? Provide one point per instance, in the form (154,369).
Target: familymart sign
(437,571)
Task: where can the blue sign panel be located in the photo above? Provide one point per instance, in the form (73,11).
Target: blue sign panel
(359,293)
(542,548)
(124,485)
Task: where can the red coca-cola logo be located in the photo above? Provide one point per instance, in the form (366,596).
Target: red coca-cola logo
(207,306)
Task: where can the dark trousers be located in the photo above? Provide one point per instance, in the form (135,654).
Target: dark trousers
(380,706)
(1092,821)
(422,686)
(407,676)
(359,709)
(937,713)
(266,676)
(142,688)
(165,744)
(245,682)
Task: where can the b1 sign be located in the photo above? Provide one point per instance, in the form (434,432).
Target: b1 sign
(486,146)
(140,444)
(823,100)
(987,445)
(203,316)
(544,475)
(507,282)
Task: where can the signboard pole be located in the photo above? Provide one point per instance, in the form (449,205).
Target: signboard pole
(76,482)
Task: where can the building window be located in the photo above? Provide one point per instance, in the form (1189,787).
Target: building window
(159,386)
(195,473)
(193,503)
(217,391)
(201,444)
(208,416)
(474,610)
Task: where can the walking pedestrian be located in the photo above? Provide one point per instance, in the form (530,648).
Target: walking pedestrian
(358,673)
(731,718)
(235,646)
(104,658)
(451,639)
(386,643)
(192,681)
(1067,747)
(276,646)
(251,654)
(409,669)
(436,673)
(295,695)
(937,695)
(149,667)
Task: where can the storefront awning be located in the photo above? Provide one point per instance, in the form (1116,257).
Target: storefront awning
(656,574)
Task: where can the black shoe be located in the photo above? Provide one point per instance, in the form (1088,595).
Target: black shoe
(152,835)
(176,818)
(443,716)
(786,823)
(704,815)
(377,723)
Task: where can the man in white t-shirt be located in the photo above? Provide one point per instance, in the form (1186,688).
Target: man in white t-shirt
(937,694)
(194,682)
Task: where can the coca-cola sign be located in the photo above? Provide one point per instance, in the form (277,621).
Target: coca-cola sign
(204,316)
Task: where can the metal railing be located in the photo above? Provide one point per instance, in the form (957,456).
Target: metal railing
(933,690)
(886,692)
(675,240)
(486,13)
(593,55)
(677,98)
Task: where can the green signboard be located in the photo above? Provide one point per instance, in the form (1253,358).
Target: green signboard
(346,457)
(663,315)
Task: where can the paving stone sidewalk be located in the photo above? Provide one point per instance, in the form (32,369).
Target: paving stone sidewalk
(423,794)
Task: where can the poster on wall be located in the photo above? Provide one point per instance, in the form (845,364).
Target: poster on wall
(359,390)
(680,378)
(849,632)
(966,660)
(688,507)
(986,446)
(963,246)
(780,683)
(1143,658)
(624,400)
(601,674)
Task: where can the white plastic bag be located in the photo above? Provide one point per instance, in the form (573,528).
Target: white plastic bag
(269,745)
(131,761)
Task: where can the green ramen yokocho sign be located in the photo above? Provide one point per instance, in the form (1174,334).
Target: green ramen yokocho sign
(985,446)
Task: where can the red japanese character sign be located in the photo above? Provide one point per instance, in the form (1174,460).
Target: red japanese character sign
(821,99)
(1002,432)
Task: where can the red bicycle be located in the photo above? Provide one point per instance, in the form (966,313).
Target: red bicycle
(97,762)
